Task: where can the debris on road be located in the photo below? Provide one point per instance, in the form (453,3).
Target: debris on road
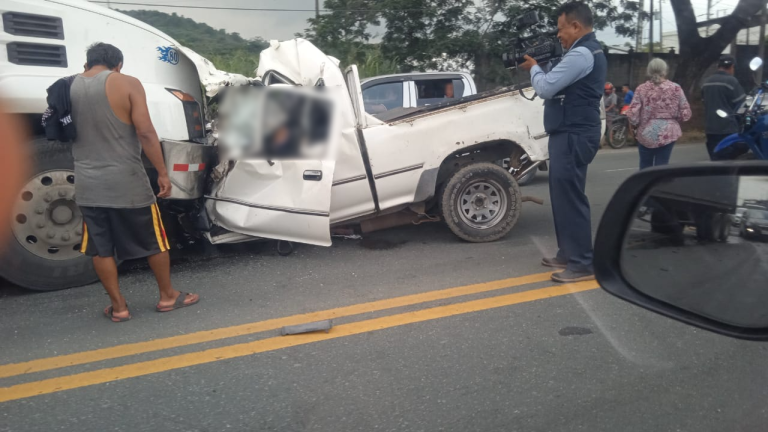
(532,199)
(307,328)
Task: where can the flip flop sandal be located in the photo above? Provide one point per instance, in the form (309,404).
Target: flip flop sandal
(108,312)
(178,304)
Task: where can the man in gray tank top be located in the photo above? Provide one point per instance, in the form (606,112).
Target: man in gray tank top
(120,216)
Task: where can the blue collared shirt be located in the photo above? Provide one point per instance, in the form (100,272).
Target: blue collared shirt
(575,65)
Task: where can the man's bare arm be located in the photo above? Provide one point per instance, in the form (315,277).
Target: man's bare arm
(150,143)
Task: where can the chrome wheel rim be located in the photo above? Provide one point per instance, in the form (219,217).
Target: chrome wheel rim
(46,220)
(482,204)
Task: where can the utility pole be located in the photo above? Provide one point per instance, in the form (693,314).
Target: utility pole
(317,8)
(761,41)
(639,40)
(661,26)
(709,13)
(650,35)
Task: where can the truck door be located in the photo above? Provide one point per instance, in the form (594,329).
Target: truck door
(282,193)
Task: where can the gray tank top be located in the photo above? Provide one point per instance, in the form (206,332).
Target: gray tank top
(108,168)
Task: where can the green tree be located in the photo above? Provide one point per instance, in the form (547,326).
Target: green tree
(698,52)
(420,32)
(228,51)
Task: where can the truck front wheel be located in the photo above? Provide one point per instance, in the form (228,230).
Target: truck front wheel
(43,254)
(481,202)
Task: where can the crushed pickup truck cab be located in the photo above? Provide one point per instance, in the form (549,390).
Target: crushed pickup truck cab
(439,159)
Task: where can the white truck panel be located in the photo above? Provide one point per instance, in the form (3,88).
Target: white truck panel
(24,87)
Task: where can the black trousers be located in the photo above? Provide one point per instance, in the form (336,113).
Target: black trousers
(569,156)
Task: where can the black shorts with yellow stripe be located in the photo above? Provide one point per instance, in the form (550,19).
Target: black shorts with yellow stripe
(123,233)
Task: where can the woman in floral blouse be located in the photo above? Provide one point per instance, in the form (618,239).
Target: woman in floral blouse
(658,108)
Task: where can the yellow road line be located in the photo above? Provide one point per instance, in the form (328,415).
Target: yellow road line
(101,376)
(118,351)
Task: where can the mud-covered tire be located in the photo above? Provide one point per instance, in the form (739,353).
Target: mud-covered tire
(20,266)
(481,183)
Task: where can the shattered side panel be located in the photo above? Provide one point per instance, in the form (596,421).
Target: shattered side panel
(275,202)
(304,64)
(301,62)
(211,78)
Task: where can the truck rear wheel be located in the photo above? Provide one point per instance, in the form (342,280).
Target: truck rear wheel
(481,202)
(43,254)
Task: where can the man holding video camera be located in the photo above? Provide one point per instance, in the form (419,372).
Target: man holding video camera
(572,90)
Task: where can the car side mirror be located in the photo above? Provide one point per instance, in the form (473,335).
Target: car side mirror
(670,241)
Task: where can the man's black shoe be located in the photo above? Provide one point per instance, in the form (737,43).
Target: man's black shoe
(553,262)
(568,276)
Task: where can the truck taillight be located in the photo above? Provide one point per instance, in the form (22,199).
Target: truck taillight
(192,114)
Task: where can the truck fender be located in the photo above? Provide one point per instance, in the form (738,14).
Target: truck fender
(490,151)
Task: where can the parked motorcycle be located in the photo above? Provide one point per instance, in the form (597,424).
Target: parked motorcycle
(751,142)
(618,134)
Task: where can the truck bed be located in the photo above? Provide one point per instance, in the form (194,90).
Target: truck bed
(400,114)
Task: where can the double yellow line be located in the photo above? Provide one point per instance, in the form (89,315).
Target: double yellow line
(101,376)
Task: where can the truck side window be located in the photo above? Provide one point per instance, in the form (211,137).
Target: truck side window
(458,88)
(434,91)
(383,97)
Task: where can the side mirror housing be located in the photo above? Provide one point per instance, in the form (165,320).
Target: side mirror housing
(670,241)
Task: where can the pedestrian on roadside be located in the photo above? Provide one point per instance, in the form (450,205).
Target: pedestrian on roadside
(572,92)
(658,108)
(721,91)
(120,216)
(610,104)
(628,95)
(610,99)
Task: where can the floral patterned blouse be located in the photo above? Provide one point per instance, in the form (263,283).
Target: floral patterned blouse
(657,111)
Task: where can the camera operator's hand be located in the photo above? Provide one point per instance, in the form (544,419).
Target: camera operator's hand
(528,64)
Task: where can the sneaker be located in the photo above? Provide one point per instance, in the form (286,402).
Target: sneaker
(567,276)
(553,262)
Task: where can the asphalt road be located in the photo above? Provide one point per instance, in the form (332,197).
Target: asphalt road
(430,334)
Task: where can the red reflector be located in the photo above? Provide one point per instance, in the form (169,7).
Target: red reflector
(188,167)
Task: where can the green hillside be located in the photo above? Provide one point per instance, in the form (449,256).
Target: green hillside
(228,51)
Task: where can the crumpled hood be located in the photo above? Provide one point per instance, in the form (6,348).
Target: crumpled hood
(301,62)
(213,79)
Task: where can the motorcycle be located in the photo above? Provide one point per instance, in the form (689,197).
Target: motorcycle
(751,142)
(618,134)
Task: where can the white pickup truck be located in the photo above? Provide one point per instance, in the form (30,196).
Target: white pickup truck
(399,166)
(437,158)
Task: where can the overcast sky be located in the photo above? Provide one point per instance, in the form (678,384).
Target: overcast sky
(283,25)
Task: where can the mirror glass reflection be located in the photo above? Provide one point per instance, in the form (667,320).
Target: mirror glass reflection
(701,244)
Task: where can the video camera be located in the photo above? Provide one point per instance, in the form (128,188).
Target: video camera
(542,46)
